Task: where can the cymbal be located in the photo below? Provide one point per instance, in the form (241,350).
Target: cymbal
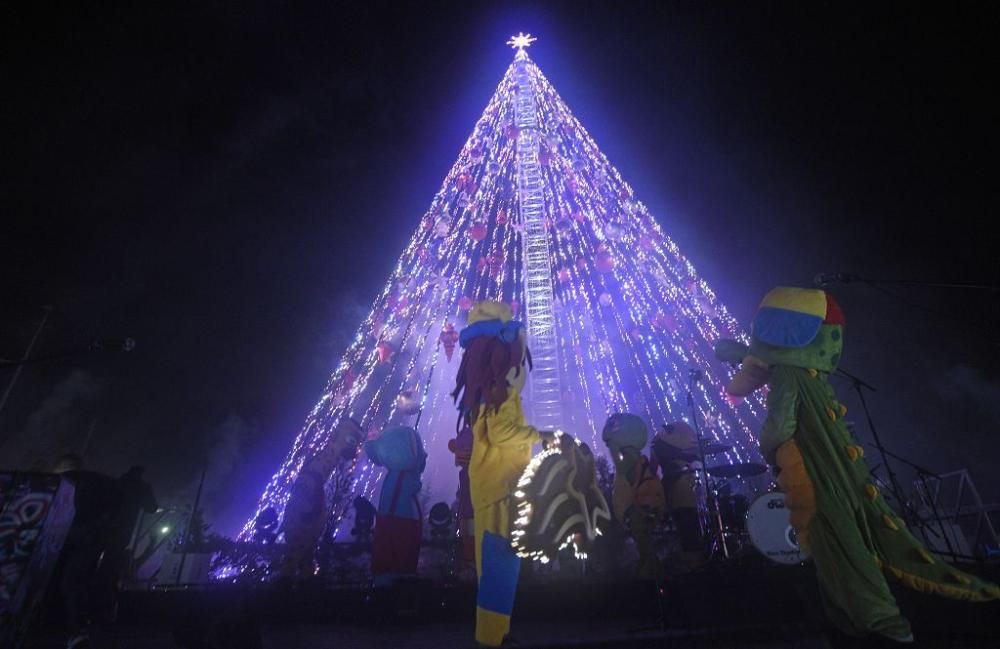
(737,470)
(712,449)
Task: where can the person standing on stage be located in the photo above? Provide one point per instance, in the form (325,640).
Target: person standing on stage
(488,394)
(675,449)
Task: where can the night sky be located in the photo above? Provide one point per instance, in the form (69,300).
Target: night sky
(230,184)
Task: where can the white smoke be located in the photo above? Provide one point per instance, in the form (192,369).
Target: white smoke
(57,427)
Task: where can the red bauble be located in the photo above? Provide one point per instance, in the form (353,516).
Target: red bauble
(465,303)
(478,231)
(384,351)
(501,216)
(448,339)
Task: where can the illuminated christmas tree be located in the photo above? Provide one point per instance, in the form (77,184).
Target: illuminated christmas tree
(532,214)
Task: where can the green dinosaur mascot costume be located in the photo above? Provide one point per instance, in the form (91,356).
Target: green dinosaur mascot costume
(840,517)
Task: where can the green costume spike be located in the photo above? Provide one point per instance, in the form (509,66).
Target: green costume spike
(842,521)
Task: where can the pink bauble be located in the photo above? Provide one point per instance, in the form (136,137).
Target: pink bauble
(614,231)
(564,275)
(408,402)
(465,303)
(605,299)
(604,262)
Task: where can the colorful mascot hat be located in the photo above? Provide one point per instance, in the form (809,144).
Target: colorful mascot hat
(493,347)
(398,448)
(794,326)
(490,319)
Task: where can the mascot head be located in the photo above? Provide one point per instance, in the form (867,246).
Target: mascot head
(794,326)
(342,445)
(494,360)
(398,448)
(626,435)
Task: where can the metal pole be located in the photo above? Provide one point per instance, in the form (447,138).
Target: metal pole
(187,531)
(86,440)
(711,496)
(27,353)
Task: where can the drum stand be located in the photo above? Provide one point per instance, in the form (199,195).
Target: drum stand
(711,517)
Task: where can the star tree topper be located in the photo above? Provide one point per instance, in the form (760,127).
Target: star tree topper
(521,41)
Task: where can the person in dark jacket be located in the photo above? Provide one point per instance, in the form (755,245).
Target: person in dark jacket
(76,574)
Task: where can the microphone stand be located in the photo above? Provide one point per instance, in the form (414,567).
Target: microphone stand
(825,279)
(710,501)
(923,474)
(859,386)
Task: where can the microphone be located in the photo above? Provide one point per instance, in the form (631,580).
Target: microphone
(116,344)
(824,279)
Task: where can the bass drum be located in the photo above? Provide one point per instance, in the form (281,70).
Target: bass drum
(771,532)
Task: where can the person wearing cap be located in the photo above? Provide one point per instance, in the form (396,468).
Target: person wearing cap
(839,515)
(488,395)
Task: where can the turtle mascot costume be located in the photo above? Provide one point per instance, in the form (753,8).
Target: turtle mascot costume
(840,517)
(638,495)
(488,393)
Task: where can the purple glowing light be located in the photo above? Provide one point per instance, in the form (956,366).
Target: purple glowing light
(632,314)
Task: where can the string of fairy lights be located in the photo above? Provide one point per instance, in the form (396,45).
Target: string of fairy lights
(632,314)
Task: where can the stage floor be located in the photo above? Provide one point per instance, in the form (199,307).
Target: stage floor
(730,607)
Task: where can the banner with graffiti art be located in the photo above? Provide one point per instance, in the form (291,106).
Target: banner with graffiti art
(36,511)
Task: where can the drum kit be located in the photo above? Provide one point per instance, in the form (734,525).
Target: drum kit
(731,522)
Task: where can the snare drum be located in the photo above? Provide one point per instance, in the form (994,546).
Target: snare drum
(771,532)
